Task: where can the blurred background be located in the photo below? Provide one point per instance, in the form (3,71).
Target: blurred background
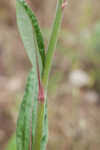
(74,87)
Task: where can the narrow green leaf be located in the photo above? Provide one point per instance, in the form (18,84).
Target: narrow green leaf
(29,103)
(52,42)
(31,92)
(29,30)
(30,118)
(38,33)
(26,30)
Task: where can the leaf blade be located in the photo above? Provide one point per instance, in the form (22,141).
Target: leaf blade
(24,119)
(25,29)
(30,31)
(52,42)
(39,37)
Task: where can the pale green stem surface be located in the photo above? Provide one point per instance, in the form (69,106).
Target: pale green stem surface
(39,126)
(52,42)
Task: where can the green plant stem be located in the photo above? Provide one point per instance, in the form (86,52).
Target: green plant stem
(48,62)
(52,42)
(39,127)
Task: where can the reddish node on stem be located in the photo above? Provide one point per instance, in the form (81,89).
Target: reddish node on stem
(41,93)
(41,89)
(64,4)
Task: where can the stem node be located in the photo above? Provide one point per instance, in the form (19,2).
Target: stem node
(64,4)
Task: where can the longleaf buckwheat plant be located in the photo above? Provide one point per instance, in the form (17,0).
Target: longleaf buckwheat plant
(32,123)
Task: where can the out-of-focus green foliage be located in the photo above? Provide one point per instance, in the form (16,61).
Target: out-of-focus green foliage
(12,143)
